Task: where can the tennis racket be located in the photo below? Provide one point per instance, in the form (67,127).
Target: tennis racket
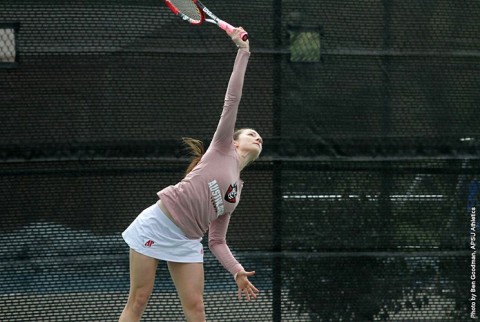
(194,12)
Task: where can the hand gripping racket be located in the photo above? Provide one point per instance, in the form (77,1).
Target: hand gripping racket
(194,12)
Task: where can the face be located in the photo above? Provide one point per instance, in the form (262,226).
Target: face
(249,141)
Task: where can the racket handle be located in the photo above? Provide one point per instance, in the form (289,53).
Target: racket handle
(230,29)
(244,35)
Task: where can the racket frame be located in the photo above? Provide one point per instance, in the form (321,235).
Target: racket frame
(177,12)
(229,29)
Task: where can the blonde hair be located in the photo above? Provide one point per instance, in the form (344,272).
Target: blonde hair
(196,149)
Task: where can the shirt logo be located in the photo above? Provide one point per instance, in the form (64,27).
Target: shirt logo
(231,195)
(216,197)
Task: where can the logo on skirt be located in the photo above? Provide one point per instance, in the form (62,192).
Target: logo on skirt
(149,243)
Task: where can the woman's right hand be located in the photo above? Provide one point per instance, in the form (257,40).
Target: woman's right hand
(238,40)
(245,286)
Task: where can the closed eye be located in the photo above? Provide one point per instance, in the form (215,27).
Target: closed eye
(253,134)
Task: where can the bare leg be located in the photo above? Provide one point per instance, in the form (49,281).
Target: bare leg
(189,281)
(142,278)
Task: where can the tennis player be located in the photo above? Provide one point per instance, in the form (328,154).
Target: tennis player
(172,229)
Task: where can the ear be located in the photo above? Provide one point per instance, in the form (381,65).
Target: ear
(235,143)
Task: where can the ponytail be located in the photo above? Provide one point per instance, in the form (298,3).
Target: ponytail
(196,149)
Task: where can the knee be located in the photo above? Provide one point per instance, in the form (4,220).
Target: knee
(138,302)
(195,309)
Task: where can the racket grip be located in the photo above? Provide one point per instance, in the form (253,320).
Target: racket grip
(230,29)
(244,35)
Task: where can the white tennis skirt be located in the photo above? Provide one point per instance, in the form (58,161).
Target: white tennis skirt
(153,234)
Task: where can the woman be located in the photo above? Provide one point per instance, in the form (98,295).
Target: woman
(172,229)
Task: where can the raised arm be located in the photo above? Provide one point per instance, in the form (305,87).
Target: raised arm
(224,134)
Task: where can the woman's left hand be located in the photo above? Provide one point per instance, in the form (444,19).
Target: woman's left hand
(244,286)
(235,35)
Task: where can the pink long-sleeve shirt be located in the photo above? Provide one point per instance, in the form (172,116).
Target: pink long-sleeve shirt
(206,198)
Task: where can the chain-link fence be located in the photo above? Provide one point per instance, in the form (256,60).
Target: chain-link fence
(359,209)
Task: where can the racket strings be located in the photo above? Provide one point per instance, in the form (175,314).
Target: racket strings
(188,8)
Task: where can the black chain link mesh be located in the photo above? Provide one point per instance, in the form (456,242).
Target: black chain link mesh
(8,50)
